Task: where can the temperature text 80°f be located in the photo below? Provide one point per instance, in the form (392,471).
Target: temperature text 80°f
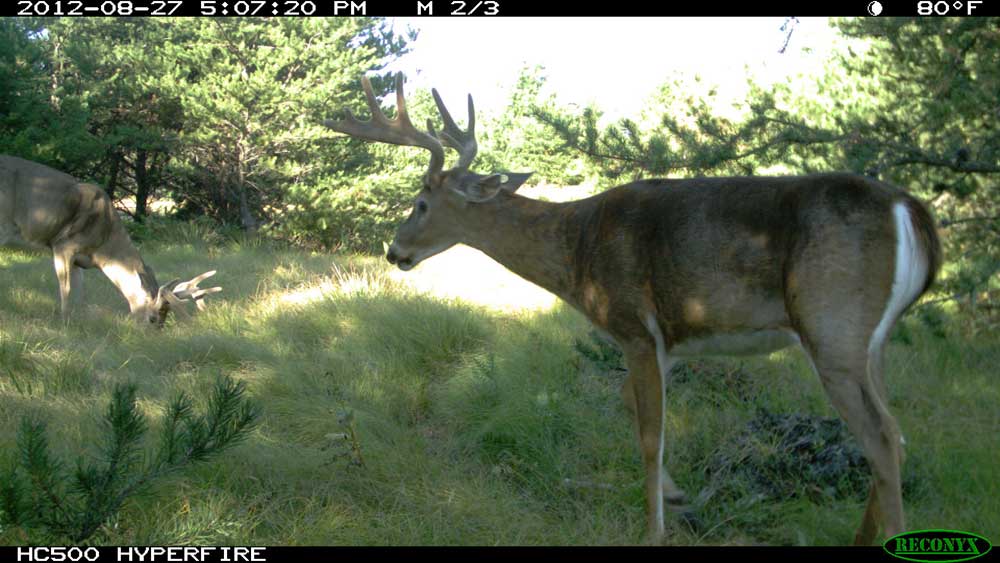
(947,7)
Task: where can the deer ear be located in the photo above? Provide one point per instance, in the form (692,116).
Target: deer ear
(489,186)
(511,181)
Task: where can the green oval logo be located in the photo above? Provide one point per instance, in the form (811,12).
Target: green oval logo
(938,546)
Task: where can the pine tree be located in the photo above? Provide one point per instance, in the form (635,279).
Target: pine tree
(254,92)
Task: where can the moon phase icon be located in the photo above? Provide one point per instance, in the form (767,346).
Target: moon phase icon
(874,7)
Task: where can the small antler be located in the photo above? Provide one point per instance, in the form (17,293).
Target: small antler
(398,131)
(462,141)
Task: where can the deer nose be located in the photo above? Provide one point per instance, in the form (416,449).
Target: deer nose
(391,256)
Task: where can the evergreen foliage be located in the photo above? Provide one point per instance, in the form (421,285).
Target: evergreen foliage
(51,503)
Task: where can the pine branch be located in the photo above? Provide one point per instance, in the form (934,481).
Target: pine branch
(75,508)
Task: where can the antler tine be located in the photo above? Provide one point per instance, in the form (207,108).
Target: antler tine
(198,279)
(377,114)
(462,141)
(401,114)
(190,290)
(398,131)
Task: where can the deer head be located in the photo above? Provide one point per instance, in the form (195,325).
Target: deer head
(434,224)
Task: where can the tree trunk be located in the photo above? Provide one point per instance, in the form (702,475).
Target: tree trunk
(142,188)
(116,164)
(57,70)
(250,224)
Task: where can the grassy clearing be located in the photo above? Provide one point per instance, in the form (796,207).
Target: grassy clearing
(478,420)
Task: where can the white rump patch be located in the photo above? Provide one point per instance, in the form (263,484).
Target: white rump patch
(909,277)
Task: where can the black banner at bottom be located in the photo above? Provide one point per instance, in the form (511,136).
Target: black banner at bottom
(281,554)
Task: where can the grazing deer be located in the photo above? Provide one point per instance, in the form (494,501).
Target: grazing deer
(674,268)
(44,209)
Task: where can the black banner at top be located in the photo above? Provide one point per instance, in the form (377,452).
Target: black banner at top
(496,8)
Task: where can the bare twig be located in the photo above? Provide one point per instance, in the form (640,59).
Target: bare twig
(950,222)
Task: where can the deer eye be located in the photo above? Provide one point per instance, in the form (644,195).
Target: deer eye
(421,206)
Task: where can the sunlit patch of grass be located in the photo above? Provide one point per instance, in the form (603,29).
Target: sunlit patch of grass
(9,257)
(465,273)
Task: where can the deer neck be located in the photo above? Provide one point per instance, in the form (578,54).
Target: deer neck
(527,236)
(120,261)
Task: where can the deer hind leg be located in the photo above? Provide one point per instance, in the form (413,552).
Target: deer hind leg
(76,286)
(868,529)
(843,298)
(842,363)
(869,524)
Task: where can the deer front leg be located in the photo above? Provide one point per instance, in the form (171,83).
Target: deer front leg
(63,259)
(674,496)
(648,399)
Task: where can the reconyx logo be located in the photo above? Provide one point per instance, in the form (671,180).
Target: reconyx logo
(939,546)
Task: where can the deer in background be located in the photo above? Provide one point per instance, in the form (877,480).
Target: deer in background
(677,268)
(44,209)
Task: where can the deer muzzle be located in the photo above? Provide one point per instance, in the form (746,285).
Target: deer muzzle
(394,257)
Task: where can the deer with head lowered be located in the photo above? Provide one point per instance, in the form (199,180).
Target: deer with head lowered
(44,209)
(676,268)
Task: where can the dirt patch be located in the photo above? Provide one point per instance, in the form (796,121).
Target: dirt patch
(779,456)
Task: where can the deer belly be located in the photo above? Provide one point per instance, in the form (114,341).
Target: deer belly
(10,237)
(743,343)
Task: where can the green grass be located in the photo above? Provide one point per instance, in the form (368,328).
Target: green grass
(475,426)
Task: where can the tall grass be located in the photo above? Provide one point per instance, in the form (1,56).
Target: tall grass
(476,424)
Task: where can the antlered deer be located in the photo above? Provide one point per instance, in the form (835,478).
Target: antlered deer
(42,208)
(672,268)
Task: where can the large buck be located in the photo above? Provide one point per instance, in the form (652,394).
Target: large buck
(44,209)
(674,268)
